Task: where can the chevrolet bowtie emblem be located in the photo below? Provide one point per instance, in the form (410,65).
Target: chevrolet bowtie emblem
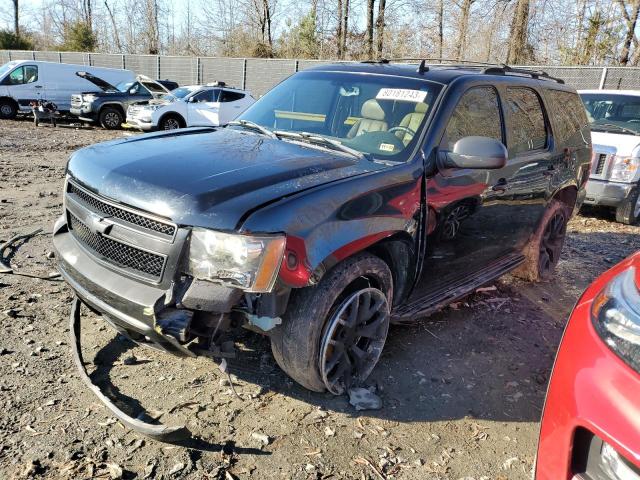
(98,225)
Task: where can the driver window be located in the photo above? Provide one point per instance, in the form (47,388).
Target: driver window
(17,77)
(477,114)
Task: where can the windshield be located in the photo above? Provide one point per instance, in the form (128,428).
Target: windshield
(5,68)
(613,113)
(124,86)
(372,114)
(180,92)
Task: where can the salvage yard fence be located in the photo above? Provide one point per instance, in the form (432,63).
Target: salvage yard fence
(258,75)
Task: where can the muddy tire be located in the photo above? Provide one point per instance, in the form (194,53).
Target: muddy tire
(542,252)
(8,109)
(324,331)
(628,212)
(171,122)
(110,118)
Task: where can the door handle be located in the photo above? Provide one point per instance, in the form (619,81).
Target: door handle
(37,86)
(501,186)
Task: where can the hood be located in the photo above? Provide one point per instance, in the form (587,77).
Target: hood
(622,144)
(98,82)
(207,177)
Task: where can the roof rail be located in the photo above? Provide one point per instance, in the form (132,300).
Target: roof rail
(506,70)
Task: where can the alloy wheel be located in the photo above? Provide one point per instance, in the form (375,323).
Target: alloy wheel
(551,244)
(171,124)
(636,209)
(353,339)
(112,120)
(453,221)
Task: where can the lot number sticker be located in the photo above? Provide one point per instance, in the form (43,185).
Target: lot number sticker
(401,94)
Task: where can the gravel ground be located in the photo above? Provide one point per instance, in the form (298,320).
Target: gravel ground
(463,389)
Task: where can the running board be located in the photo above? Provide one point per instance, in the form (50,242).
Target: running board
(448,293)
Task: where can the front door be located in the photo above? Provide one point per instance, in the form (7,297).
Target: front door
(203,108)
(24,85)
(470,217)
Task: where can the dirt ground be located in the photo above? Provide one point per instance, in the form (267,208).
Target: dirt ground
(463,390)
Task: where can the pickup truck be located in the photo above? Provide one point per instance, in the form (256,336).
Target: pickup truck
(347,197)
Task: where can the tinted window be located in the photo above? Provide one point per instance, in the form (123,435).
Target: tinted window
(228,96)
(567,112)
(477,114)
(204,96)
(526,125)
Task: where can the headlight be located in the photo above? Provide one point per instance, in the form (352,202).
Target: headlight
(242,261)
(624,169)
(90,97)
(616,317)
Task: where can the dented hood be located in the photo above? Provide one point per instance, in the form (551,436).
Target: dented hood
(207,177)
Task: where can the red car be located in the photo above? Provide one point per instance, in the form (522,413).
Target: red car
(591,422)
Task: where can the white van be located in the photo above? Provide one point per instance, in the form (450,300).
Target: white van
(23,81)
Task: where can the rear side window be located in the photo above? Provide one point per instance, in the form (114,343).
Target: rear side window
(228,96)
(568,114)
(477,114)
(526,127)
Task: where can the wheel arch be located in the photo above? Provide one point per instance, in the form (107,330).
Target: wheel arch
(174,114)
(567,195)
(115,105)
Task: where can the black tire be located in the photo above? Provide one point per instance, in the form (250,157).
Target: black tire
(543,250)
(171,122)
(298,341)
(8,109)
(628,212)
(110,118)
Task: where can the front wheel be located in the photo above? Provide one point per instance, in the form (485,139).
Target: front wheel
(8,109)
(170,122)
(628,212)
(110,118)
(332,334)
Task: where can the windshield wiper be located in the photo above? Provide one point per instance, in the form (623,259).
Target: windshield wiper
(617,127)
(322,141)
(254,126)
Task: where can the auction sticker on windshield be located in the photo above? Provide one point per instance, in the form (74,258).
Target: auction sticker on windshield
(401,94)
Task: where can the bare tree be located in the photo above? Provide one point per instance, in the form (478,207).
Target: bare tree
(382,5)
(440,27)
(345,26)
(632,20)
(16,22)
(114,26)
(339,30)
(370,6)
(517,50)
(463,26)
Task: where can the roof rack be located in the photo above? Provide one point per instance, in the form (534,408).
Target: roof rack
(506,70)
(489,68)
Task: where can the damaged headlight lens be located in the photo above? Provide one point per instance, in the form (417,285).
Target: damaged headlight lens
(616,317)
(243,261)
(624,169)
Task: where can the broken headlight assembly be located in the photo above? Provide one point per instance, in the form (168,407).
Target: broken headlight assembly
(616,317)
(248,262)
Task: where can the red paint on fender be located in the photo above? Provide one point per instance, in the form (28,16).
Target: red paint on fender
(299,276)
(590,388)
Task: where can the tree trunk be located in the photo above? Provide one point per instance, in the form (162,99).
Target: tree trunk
(116,36)
(16,23)
(517,49)
(345,27)
(440,27)
(339,31)
(632,20)
(370,5)
(463,26)
(382,5)
(267,21)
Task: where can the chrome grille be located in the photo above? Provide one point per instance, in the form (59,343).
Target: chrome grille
(119,254)
(601,160)
(98,205)
(76,100)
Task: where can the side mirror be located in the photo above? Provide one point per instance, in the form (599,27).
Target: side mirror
(133,91)
(475,153)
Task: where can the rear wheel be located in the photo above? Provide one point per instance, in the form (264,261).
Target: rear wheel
(544,248)
(8,109)
(111,118)
(171,122)
(332,334)
(628,212)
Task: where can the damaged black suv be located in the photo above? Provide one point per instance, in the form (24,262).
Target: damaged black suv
(348,197)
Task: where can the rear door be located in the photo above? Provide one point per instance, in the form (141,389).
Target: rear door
(203,108)
(232,104)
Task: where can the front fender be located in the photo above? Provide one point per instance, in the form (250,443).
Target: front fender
(330,223)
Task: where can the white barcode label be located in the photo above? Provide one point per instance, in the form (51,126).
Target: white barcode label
(401,94)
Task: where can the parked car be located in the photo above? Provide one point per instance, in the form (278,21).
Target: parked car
(591,422)
(346,196)
(196,105)
(107,107)
(26,81)
(615,130)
